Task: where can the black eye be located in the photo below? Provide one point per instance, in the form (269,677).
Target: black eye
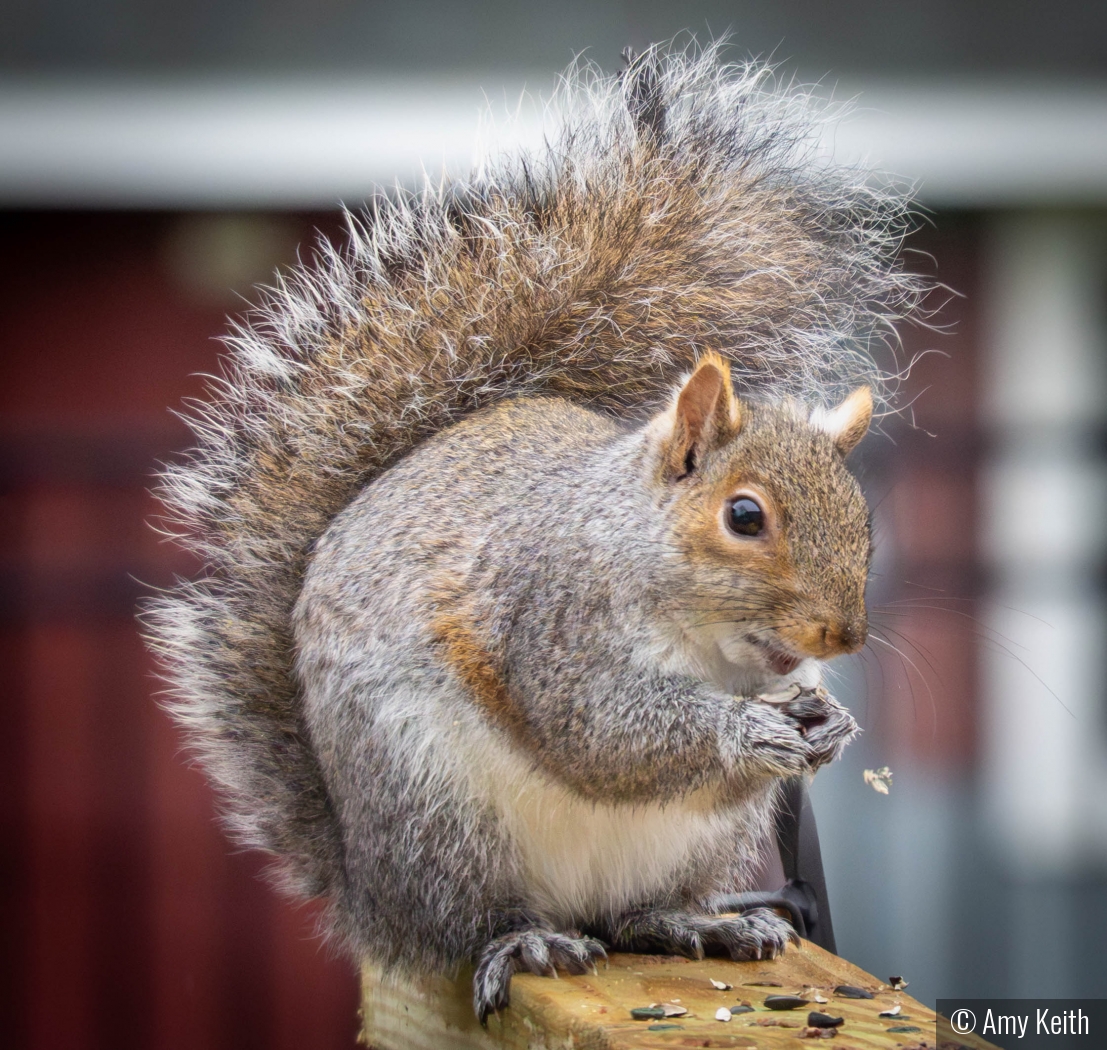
(745,517)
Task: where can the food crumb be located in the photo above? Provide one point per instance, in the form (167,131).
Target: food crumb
(880,780)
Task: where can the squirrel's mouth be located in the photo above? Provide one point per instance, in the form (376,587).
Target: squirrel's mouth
(777,657)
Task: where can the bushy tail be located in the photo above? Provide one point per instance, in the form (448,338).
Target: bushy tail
(681,208)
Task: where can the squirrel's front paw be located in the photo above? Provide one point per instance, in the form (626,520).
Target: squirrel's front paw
(533,951)
(826,725)
(756,934)
(771,743)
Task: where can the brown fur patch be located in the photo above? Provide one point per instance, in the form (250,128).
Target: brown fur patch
(475,666)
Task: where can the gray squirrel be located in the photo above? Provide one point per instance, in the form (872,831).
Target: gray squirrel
(514,610)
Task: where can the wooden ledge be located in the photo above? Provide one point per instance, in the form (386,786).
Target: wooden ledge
(592,1012)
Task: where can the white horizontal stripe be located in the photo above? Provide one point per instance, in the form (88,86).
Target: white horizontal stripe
(310,142)
(984,145)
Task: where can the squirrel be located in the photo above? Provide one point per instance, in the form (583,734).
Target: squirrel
(514,610)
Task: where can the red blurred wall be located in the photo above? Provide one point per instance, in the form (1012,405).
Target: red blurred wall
(127,920)
(922,480)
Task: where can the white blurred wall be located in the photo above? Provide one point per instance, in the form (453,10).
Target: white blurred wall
(307,141)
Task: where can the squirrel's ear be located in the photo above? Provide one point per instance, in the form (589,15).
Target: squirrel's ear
(705,417)
(849,422)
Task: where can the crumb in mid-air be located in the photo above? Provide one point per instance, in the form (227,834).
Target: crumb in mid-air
(880,780)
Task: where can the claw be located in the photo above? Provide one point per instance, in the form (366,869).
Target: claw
(756,934)
(531,951)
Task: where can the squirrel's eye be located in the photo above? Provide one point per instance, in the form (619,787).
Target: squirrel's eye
(745,517)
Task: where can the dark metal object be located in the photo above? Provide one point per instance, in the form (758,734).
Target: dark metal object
(803,895)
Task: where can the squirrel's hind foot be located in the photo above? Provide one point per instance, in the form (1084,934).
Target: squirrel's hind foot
(542,952)
(756,934)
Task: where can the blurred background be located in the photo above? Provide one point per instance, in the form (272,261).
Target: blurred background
(158,159)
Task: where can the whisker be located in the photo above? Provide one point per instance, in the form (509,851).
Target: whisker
(998,641)
(924,654)
(985,630)
(1026,667)
(922,678)
(916,602)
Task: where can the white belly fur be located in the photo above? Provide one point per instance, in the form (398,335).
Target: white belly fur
(581,860)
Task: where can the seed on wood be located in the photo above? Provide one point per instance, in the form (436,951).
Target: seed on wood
(891,1013)
(904,1028)
(850,991)
(671,1009)
(898,983)
(821,1020)
(742,1008)
(663,1027)
(785,1002)
(820,998)
(721,985)
(647,1013)
(722,1014)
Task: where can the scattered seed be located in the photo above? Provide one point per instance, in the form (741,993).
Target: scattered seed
(663,1027)
(821,1020)
(880,780)
(820,998)
(785,1002)
(671,1009)
(722,1014)
(849,991)
(898,983)
(894,1012)
(721,985)
(742,1008)
(904,1028)
(647,1013)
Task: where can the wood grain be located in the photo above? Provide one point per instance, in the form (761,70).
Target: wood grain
(592,1012)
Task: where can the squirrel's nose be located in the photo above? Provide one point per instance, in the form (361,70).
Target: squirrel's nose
(845,637)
